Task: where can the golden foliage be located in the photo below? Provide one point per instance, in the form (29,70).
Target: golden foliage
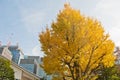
(75,46)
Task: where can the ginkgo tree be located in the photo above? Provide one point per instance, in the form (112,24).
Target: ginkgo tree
(75,46)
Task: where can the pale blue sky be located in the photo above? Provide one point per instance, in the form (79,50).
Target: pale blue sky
(21,21)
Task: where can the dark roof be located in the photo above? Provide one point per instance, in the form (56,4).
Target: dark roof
(33,57)
(13,47)
(1,50)
(27,61)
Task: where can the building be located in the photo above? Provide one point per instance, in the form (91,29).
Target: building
(32,64)
(29,64)
(6,53)
(23,74)
(16,52)
(39,71)
(19,72)
(117,54)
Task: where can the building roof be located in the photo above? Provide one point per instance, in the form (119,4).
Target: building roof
(10,47)
(33,57)
(27,61)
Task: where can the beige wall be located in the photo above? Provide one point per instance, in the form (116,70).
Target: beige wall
(22,74)
(18,72)
(7,54)
(26,77)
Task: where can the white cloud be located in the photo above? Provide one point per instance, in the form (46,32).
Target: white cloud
(37,52)
(107,11)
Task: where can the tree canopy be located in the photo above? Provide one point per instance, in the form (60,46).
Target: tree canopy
(109,73)
(6,72)
(75,46)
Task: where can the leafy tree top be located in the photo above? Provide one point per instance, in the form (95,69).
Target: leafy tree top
(75,46)
(6,72)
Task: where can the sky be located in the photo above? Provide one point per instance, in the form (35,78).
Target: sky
(21,21)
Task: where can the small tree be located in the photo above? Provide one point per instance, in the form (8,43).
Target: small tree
(109,73)
(75,46)
(6,72)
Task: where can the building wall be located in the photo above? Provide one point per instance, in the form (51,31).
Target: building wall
(40,72)
(16,55)
(29,67)
(25,76)
(17,72)
(6,53)
(22,74)
(14,50)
